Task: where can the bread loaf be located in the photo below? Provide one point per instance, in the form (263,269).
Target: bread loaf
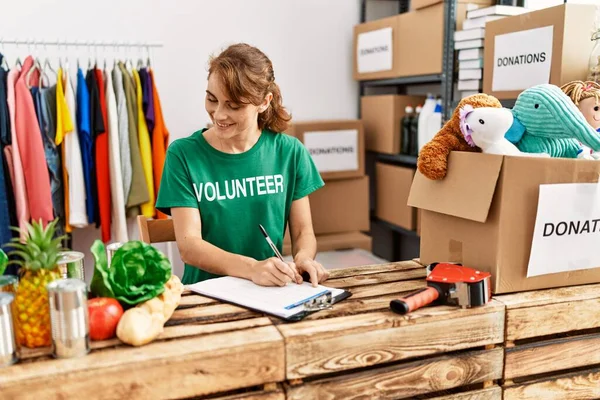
(145,322)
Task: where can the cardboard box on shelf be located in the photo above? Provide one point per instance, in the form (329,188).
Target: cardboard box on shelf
(335,241)
(550,45)
(408,44)
(418,4)
(485,214)
(381,116)
(393,187)
(337,147)
(341,206)
(419,222)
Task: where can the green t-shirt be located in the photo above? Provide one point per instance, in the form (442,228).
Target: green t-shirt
(237,192)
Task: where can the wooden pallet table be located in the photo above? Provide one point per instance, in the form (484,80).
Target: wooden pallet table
(360,349)
(553,344)
(206,348)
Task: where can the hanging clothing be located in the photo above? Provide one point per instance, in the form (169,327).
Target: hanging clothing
(5,141)
(97,127)
(86,144)
(102,163)
(125,151)
(73,164)
(5,233)
(160,141)
(148,100)
(138,194)
(53,159)
(119,222)
(145,150)
(31,149)
(64,126)
(14,157)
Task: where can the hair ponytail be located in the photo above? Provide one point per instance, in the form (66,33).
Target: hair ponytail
(275,118)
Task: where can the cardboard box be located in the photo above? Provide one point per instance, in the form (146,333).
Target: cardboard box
(336,241)
(381,116)
(393,188)
(341,206)
(419,222)
(418,4)
(337,147)
(483,214)
(566,30)
(408,44)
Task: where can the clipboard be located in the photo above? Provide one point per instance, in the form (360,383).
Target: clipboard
(290,303)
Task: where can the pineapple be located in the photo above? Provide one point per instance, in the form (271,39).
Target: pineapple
(38,256)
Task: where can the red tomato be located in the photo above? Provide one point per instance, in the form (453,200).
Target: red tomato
(104,315)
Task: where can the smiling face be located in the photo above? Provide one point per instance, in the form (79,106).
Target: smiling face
(230,118)
(590,108)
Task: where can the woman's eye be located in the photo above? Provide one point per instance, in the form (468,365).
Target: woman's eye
(211,100)
(234,107)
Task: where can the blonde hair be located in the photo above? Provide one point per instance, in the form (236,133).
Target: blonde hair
(579,90)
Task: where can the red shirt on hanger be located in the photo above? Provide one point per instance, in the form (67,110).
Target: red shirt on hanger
(102,166)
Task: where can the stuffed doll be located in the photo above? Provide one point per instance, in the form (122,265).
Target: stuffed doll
(433,157)
(485,128)
(586,96)
(547,121)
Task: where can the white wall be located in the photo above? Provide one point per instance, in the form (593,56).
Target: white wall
(309,42)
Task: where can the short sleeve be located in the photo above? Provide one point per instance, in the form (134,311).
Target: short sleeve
(176,187)
(308,178)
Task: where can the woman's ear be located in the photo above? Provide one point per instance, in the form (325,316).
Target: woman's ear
(266,102)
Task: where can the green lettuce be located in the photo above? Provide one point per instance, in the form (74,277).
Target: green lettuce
(138,272)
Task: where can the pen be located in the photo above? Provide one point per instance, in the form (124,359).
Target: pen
(268,239)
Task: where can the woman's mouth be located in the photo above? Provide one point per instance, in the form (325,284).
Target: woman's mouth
(223,126)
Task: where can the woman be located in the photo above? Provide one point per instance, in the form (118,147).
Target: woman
(220,183)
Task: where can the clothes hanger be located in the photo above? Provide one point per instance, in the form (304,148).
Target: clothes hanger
(36,66)
(47,67)
(4,60)
(148,63)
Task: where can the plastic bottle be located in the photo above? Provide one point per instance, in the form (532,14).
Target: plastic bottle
(434,121)
(414,132)
(427,110)
(405,130)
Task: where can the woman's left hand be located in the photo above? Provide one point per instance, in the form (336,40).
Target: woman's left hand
(315,270)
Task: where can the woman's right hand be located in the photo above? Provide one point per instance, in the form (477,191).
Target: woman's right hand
(274,272)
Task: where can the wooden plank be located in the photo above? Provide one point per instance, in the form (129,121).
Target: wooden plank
(279,394)
(170,332)
(373,269)
(492,393)
(193,300)
(188,367)
(550,296)
(210,314)
(585,385)
(552,355)
(362,292)
(338,344)
(374,279)
(523,323)
(406,380)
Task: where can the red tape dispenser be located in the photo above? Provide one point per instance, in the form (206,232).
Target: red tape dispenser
(448,284)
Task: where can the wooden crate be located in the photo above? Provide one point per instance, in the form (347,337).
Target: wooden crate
(405,356)
(552,342)
(206,348)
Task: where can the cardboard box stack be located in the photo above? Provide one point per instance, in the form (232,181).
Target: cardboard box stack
(340,210)
(469,42)
(408,44)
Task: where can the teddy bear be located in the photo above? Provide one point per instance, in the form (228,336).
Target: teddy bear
(433,157)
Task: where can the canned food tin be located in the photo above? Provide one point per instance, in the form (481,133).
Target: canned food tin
(8,346)
(69,318)
(111,249)
(71,265)
(9,283)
